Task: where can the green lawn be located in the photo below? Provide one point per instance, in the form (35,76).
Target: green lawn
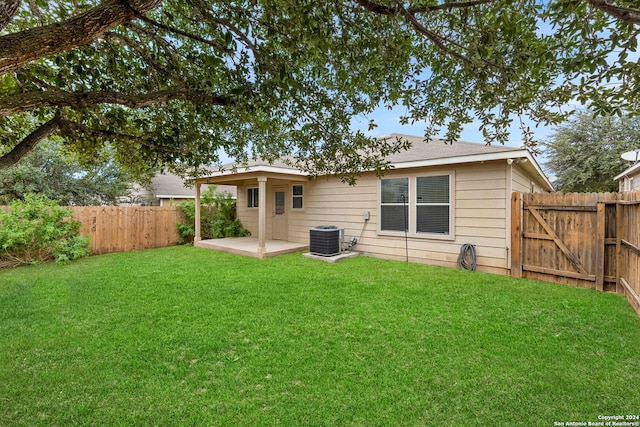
(187,336)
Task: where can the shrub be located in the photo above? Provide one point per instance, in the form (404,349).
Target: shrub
(186,230)
(218,211)
(36,230)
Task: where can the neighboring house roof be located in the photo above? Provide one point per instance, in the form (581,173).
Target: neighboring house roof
(633,170)
(420,154)
(170,186)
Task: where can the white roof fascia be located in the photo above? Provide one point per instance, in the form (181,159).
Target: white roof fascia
(628,171)
(261,168)
(469,158)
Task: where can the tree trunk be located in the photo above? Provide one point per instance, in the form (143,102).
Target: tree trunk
(30,142)
(8,9)
(623,13)
(17,49)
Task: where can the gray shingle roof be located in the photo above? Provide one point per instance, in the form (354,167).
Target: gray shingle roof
(433,152)
(420,150)
(438,149)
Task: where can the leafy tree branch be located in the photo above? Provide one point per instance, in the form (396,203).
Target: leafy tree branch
(194,37)
(171,83)
(76,129)
(28,101)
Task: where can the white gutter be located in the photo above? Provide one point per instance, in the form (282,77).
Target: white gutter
(259,168)
(628,171)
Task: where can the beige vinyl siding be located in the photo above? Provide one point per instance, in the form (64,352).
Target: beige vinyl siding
(629,182)
(328,201)
(521,182)
(481,212)
(247,216)
(478,204)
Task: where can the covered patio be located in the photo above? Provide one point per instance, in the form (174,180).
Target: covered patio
(250,246)
(265,208)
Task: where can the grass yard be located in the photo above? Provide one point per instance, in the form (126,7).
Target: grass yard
(188,336)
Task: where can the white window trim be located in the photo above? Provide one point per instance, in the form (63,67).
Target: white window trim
(248,200)
(412,206)
(379,197)
(416,204)
(293,196)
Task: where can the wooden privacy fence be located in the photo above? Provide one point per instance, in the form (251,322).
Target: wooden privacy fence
(128,228)
(582,239)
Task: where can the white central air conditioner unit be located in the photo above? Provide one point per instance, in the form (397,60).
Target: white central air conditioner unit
(326,240)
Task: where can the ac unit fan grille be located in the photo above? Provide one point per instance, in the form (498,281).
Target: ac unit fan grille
(325,240)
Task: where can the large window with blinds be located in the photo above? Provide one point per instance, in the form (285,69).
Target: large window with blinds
(394,209)
(419,205)
(433,204)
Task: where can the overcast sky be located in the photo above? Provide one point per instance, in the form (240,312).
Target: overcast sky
(388,121)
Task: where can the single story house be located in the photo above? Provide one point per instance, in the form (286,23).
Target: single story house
(442,195)
(166,189)
(629,180)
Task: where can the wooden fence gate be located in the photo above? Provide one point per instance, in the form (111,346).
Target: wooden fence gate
(582,239)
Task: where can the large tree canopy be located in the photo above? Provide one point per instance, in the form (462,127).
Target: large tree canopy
(584,153)
(172,82)
(48,171)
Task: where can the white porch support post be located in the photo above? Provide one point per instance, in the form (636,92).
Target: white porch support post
(198,236)
(262,215)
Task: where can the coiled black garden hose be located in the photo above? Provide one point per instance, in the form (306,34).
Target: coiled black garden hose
(467,258)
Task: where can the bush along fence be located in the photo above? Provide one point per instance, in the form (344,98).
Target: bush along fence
(582,239)
(128,228)
(218,217)
(38,230)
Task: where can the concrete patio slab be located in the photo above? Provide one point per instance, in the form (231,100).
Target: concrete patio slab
(248,246)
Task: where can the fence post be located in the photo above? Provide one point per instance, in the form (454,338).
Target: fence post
(600,244)
(619,232)
(198,235)
(516,228)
